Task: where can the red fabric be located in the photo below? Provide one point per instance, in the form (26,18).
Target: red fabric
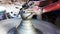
(52,7)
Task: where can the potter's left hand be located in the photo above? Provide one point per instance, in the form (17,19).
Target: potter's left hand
(37,10)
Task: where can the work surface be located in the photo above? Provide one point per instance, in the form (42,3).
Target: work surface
(45,27)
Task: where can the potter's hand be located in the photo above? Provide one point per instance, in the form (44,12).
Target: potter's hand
(37,10)
(27,14)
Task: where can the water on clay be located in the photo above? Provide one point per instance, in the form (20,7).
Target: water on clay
(8,26)
(13,30)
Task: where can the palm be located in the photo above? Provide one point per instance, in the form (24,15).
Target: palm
(27,14)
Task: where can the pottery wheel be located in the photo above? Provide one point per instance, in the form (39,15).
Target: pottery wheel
(8,26)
